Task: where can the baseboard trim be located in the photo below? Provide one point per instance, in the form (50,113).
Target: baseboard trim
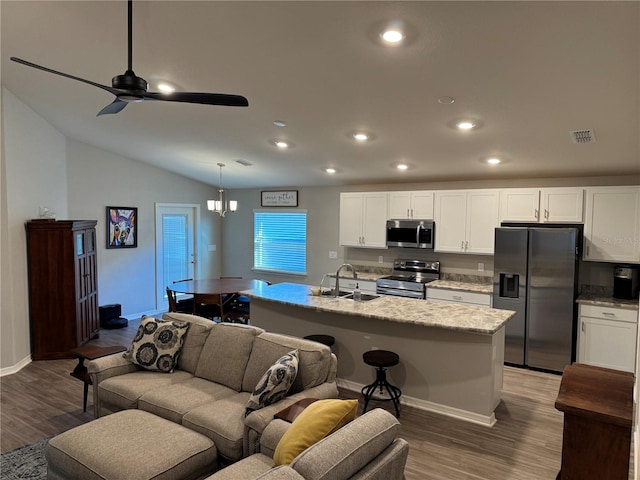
(15,368)
(484,420)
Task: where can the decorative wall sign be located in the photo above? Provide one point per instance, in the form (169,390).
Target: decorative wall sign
(122,227)
(280,198)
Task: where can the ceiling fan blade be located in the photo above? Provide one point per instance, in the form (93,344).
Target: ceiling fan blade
(116,106)
(40,67)
(202,98)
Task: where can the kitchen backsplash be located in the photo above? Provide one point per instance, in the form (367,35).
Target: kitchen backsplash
(459,277)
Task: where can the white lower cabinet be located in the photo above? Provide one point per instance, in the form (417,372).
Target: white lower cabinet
(607,337)
(456,296)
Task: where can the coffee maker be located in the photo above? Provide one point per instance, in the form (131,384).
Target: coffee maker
(625,281)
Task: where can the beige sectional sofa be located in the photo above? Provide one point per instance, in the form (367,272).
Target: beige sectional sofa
(218,368)
(368,448)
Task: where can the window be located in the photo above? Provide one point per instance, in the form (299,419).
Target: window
(280,241)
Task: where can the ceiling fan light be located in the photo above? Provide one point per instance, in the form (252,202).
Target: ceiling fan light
(166,88)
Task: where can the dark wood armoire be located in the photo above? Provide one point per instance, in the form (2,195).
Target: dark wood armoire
(63,286)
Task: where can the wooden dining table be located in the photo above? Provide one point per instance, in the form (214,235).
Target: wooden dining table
(213,286)
(226,290)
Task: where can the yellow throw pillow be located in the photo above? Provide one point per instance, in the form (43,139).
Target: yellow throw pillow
(318,420)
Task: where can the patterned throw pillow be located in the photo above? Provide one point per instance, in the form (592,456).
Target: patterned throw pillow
(275,383)
(157,344)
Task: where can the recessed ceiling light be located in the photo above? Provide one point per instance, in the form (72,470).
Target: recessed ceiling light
(493,161)
(392,36)
(330,170)
(361,136)
(466,125)
(280,123)
(166,88)
(283,144)
(402,166)
(446,100)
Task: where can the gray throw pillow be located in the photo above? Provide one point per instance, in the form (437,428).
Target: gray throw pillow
(275,383)
(157,344)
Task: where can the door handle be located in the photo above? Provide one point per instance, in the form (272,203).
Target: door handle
(546,214)
(537,214)
(583,327)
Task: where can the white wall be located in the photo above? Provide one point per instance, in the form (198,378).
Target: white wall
(97,179)
(34,174)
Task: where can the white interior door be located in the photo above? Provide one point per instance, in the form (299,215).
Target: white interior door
(176,247)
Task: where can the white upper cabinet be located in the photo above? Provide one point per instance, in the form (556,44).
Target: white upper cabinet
(363,219)
(520,205)
(466,220)
(547,205)
(418,205)
(562,205)
(612,224)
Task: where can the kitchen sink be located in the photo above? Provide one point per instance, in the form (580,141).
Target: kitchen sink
(365,297)
(329,293)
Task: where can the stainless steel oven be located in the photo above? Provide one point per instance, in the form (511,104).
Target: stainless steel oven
(410,233)
(409,278)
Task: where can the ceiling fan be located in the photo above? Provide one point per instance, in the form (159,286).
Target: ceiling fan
(128,87)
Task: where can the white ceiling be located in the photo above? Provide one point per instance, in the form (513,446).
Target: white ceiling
(528,72)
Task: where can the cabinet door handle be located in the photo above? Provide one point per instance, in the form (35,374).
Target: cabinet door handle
(408,214)
(537,214)
(457,297)
(412,213)
(583,327)
(608,314)
(546,214)
(466,246)
(587,251)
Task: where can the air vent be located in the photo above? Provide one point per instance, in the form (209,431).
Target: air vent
(244,163)
(583,136)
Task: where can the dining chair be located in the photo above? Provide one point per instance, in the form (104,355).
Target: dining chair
(209,305)
(239,310)
(175,305)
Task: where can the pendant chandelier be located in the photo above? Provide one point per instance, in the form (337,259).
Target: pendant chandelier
(222,205)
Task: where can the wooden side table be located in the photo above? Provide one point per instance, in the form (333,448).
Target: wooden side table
(290,413)
(90,352)
(598,410)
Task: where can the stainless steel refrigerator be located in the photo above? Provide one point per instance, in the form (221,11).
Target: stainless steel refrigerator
(535,274)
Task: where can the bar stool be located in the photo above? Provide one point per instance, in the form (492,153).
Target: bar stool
(327,340)
(381,359)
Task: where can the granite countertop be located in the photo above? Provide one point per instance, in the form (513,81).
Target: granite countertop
(452,316)
(462,286)
(602,300)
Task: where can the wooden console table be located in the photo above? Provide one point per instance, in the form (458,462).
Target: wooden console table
(90,352)
(598,412)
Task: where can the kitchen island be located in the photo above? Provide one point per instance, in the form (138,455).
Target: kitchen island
(451,355)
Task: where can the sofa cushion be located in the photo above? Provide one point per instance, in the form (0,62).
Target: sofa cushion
(193,340)
(174,401)
(349,449)
(157,344)
(275,383)
(223,422)
(313,364)
(225,354)
(123,391)
(318,420)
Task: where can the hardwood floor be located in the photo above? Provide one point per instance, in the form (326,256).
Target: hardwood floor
(42,400)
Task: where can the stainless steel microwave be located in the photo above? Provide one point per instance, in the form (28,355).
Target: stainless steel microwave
(410,233)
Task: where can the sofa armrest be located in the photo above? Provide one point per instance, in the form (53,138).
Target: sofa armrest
(281,473)
(272,435)
(106,367)
(257,421)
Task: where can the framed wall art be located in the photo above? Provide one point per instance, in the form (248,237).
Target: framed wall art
(122,227)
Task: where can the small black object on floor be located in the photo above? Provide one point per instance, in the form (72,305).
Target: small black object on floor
(110,316)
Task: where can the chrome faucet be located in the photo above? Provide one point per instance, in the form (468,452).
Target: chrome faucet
(336,292)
